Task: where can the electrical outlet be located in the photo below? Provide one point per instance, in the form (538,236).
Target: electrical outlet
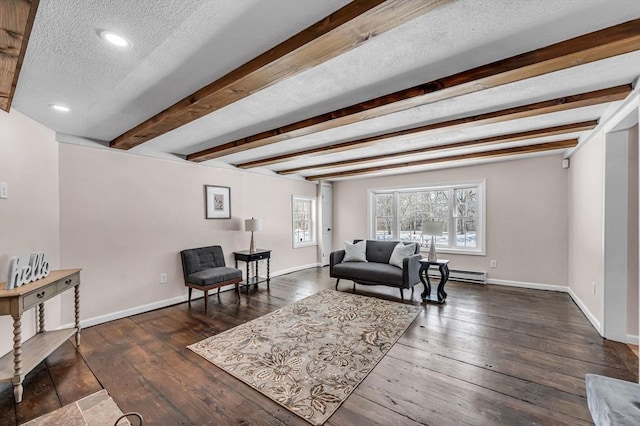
(593,285)
(163,278)
(4,190)
(493,263)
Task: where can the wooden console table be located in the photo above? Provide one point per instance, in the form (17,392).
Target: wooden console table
(13,367)
(248,257)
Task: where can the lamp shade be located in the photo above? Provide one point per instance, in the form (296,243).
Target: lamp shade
(252,225)
(432,227)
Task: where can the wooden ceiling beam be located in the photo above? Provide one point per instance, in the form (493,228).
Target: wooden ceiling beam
(545,107)
(606,43)
(513,137)
(16,22)
(343,30)
(519,150)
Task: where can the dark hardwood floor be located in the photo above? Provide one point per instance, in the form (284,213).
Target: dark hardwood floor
(492,355)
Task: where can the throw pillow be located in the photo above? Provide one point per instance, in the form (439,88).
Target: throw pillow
(400,251)
(355,252)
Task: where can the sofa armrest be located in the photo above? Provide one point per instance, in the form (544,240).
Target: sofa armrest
(334,258)
(411,270)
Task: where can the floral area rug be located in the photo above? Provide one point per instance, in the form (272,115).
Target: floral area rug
(309,356)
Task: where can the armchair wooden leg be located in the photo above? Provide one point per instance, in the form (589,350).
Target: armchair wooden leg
(190,295)
(219,290)
(206,300)
(401,295)
(354,286)
(337,281)
(411,292)
(238,291)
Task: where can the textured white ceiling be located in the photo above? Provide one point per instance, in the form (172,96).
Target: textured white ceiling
(178,46)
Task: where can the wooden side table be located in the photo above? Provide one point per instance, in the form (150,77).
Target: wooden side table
(13,367)
(247,257)
(442,265)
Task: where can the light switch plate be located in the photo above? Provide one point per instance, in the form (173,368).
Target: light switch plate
(4,190)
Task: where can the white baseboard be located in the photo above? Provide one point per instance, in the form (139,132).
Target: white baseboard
(128,312)
(295,269)
(183,298)
(168,302)
(632,339)
(587,313)
(552,287)
(534,286)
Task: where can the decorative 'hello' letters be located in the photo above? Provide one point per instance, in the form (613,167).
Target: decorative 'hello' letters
(37,268)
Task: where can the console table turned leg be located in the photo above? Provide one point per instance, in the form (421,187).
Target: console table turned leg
(247,276)
(268,271)
(17,359)
(41,318)
(76,297)
(256,271)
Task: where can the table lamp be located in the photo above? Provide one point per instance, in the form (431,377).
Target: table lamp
(252,225)
(433,228)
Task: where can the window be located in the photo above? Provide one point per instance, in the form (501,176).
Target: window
(304,221)
(397,214)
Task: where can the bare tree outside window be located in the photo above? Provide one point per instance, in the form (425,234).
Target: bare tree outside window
(384,216)
(466,215)
(398,215)
(303,216)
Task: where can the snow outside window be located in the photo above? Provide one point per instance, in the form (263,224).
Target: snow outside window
(397,214)
(304,221)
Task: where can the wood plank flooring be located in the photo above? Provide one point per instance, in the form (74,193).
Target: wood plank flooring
(490,356)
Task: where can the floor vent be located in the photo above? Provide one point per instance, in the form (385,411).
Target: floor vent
(460,275)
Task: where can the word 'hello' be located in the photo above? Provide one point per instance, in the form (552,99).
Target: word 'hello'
(36,269)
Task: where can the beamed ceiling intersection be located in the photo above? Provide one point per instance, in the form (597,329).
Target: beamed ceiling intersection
(537,101)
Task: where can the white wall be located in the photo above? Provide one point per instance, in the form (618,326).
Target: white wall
(603,230)
(632,230)
(125,218)
(586,205)
(526,216)
(29,218)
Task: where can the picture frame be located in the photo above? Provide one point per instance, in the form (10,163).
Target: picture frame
(217,202)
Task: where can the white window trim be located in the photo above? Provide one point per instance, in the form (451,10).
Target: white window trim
(312,225)
(481,184)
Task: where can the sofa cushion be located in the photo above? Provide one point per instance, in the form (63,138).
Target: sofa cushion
(195,260)
(380,251)
(400,251)
(214,275)
(370,272)
(355,252)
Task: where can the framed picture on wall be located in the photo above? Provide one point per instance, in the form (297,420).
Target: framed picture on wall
(217,202)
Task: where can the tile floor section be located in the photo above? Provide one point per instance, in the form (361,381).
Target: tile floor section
(94,410)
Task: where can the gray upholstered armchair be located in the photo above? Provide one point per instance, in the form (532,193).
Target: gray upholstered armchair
(204,269)
(377,270)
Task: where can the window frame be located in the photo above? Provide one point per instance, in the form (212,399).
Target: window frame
(481,234)
(312,221)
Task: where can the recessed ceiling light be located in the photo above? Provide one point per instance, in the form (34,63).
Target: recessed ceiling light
(60,108)
(114,39)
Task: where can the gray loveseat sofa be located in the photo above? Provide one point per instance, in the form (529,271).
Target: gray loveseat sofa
(377,270)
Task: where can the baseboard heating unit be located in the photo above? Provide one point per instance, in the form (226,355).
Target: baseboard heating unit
(477,277)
